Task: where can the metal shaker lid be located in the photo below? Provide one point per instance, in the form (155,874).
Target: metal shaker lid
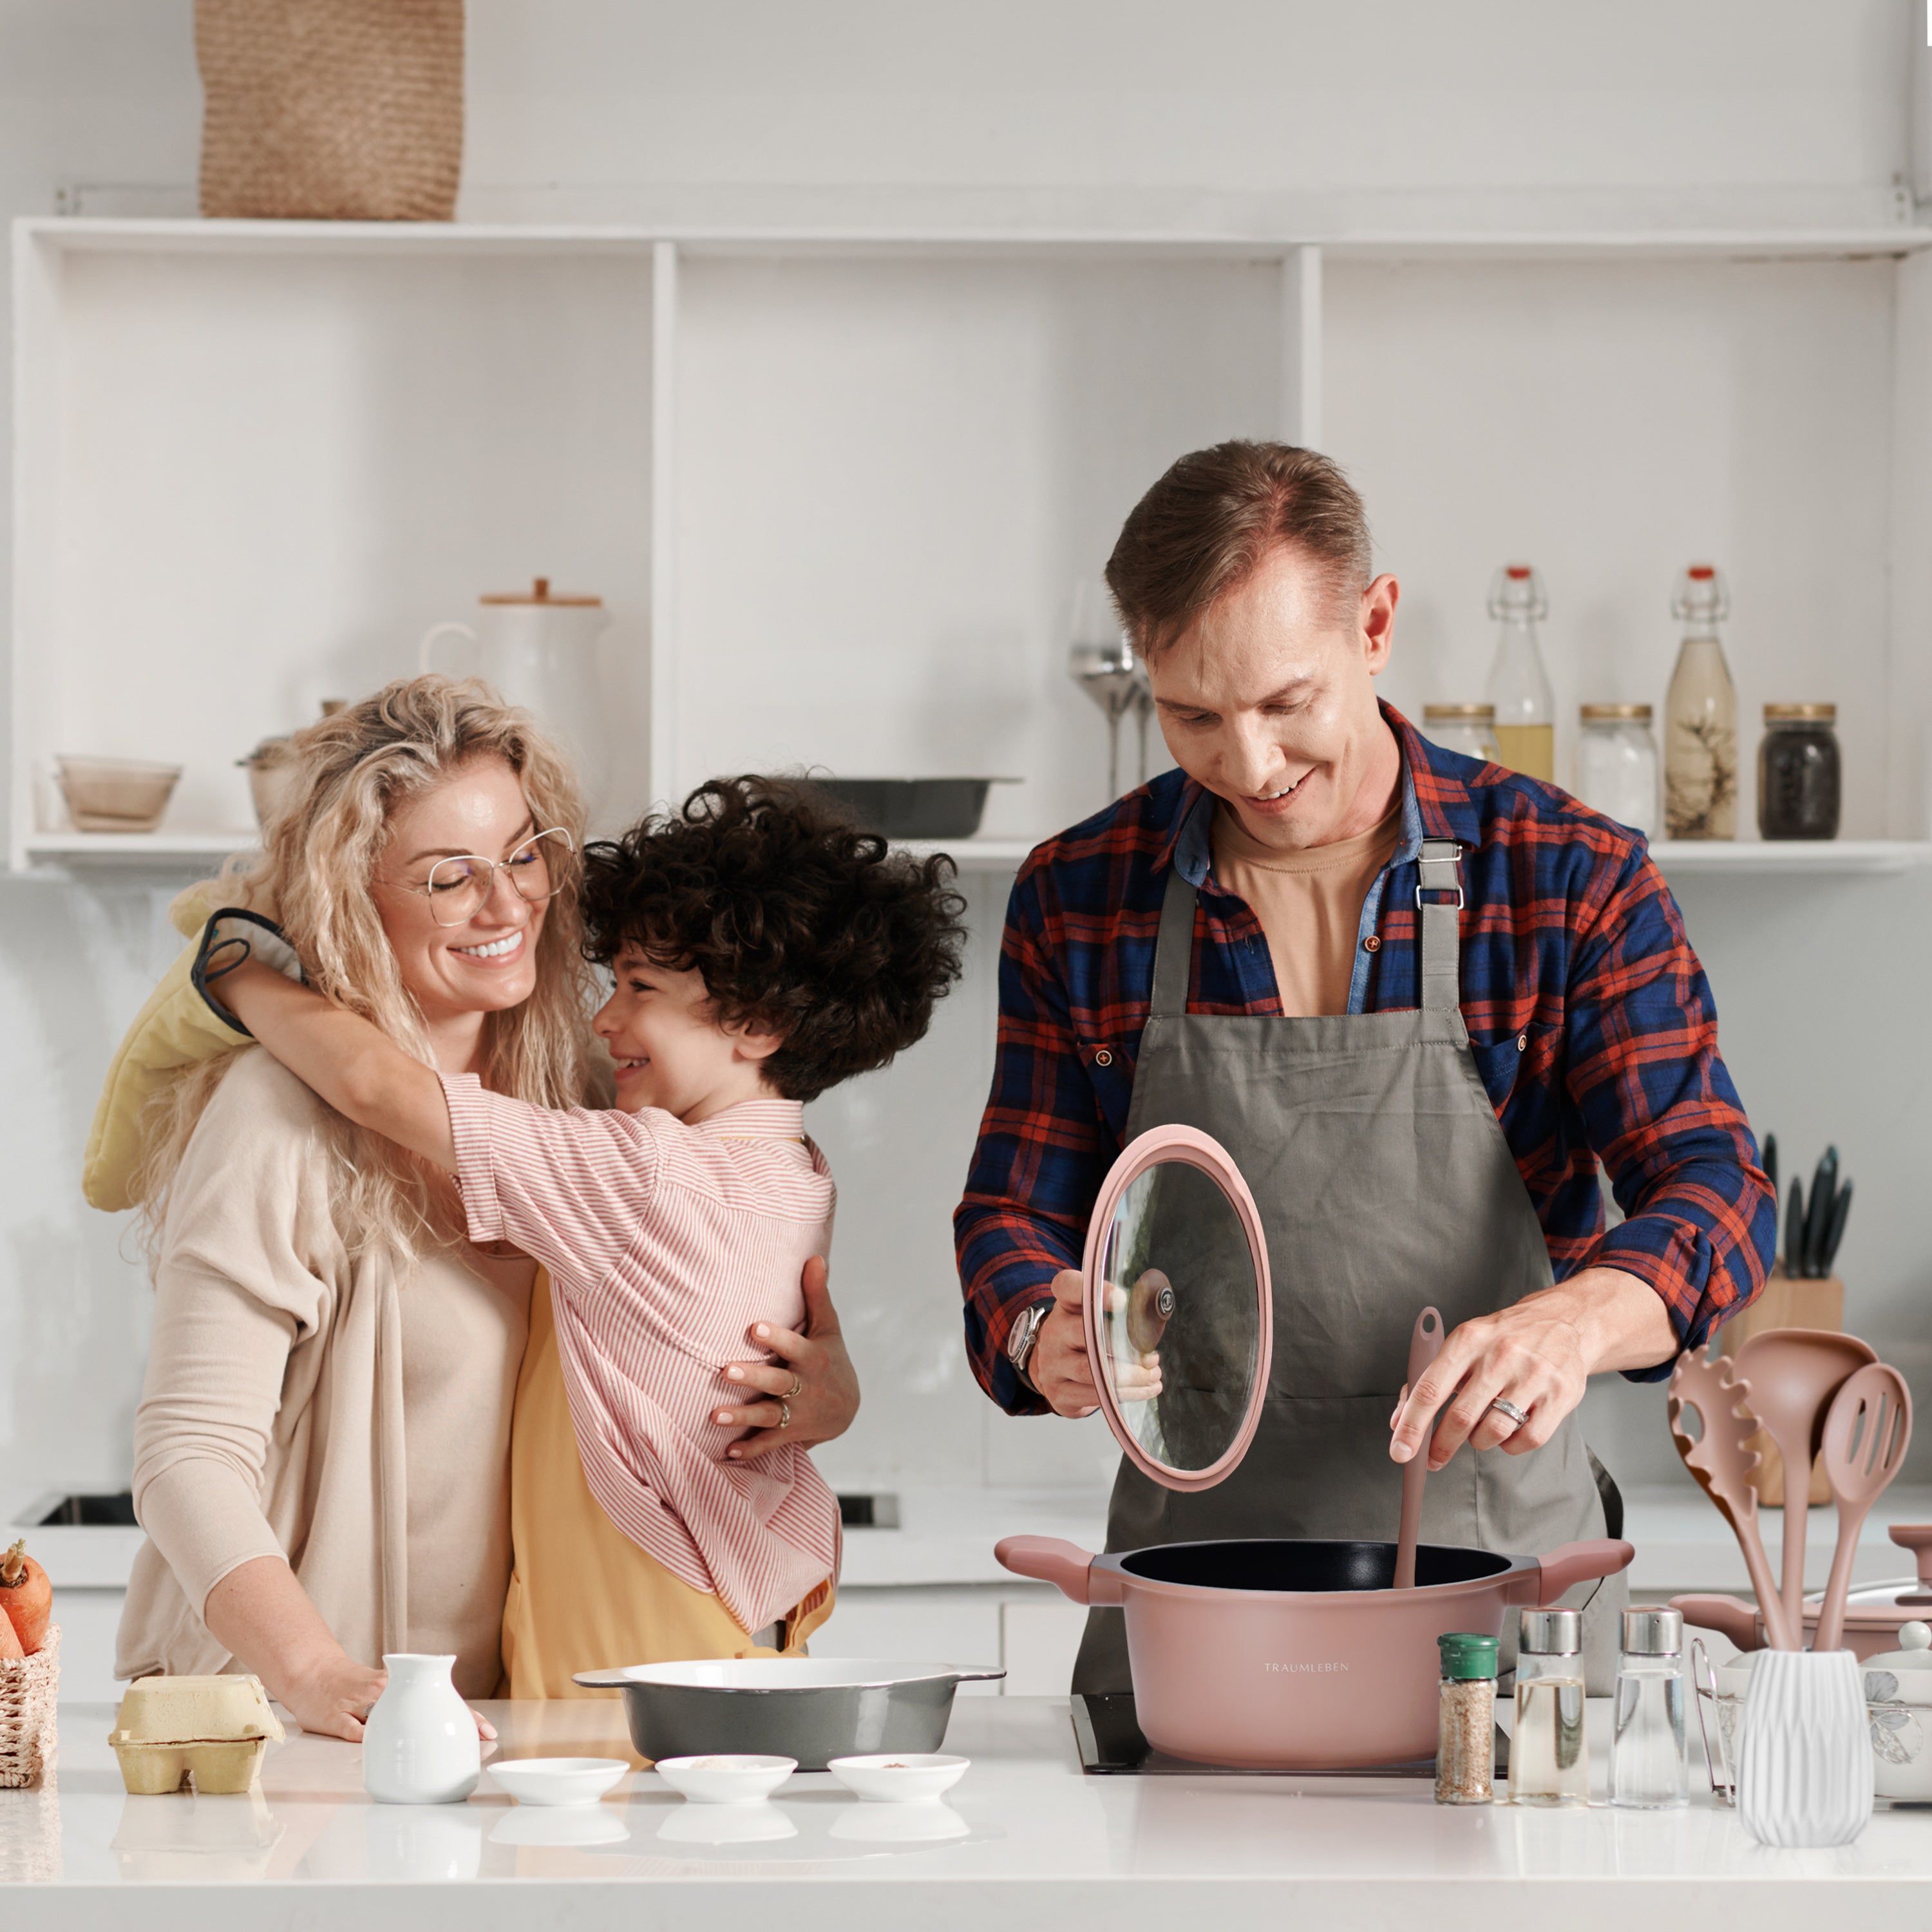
(1653,1633)
(1551,1633)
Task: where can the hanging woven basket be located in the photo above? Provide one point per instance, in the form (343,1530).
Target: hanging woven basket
(330,110)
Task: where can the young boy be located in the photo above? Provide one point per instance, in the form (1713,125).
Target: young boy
(762,951)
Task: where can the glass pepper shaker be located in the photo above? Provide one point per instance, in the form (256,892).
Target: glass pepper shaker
(1799,771)
(1549,1757)
(1649,1765)
(1466,1740)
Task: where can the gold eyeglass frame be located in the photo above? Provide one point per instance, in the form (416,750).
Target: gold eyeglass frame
(492,866)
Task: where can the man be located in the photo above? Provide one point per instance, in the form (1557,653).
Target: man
(1418,997)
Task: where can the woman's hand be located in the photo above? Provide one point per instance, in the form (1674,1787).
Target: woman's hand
(1537,1355)
(261,1613)
(826,1398)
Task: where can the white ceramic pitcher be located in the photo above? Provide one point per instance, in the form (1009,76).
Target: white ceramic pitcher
(539,650)
(419,1745)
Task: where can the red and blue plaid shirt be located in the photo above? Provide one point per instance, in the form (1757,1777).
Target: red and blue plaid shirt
(1589,1016)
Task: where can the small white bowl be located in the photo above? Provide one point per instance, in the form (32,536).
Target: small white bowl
(725,1779)
(558,1781)
(899,1778)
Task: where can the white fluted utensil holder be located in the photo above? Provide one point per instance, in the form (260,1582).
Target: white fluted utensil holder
(419,1745)
(1806,1777)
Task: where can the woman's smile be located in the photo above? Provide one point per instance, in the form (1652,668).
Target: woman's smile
(503,952)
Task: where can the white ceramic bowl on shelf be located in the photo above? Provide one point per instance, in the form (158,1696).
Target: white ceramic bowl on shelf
(726,1777)
(899,1778)
(558,1781)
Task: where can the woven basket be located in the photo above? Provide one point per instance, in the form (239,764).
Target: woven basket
(330,110)
(28,1738)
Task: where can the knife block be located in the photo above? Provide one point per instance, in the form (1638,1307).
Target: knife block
(1786,1302)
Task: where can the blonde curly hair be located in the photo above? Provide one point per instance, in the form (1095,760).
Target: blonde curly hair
(346,777)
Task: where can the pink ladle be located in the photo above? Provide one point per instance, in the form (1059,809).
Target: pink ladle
(1794,1373)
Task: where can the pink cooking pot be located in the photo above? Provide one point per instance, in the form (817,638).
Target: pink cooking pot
(1273,1653)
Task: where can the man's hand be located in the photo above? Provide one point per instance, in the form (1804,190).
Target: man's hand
(1059,1367)
(1538,1355)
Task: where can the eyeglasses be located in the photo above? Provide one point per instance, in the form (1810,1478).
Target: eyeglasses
(458,890)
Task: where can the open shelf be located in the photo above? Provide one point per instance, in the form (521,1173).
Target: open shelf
(121,848)
(1687,857)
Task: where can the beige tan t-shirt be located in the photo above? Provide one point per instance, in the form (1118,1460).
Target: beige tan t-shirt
(1309,904)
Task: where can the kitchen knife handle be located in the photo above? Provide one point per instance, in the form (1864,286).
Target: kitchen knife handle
(1069,1568)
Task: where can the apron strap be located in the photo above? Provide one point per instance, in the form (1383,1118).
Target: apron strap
(1173,949)
(1440,868)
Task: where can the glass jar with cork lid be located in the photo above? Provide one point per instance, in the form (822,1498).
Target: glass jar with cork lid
(1616,765)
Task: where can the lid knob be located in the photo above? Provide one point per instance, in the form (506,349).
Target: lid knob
(1917,1537)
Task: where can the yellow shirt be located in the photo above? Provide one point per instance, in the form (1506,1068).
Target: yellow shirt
(582,1596)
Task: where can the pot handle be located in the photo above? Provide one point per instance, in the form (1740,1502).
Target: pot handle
(1728,1616)
(1069,1568)
(1580,1563)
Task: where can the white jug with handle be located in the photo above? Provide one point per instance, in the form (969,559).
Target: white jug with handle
(539,650)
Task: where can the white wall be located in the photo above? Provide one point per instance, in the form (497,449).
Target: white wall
(1236,115)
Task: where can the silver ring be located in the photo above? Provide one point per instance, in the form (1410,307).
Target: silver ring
(1518,1416)
(797,1383)
(784,1414)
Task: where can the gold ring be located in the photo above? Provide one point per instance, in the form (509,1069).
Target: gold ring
(784,1413)
(797,1383)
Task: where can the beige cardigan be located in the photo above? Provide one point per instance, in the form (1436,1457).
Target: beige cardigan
(300,1403)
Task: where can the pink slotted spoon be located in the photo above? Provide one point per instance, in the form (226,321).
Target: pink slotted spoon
(1722,1461)
(1866,1432)
(1794,1373)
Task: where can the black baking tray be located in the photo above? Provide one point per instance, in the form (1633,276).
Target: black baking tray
(1111,1745)
(913,808)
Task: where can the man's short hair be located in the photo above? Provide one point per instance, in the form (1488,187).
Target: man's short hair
(1206,526)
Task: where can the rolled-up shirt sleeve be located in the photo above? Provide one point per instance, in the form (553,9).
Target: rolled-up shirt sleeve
(569,1185)
(1663,1115)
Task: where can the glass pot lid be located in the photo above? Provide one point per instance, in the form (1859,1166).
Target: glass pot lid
(1179,1316)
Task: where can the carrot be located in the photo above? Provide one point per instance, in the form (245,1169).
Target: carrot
(10,1643)
(26,1597)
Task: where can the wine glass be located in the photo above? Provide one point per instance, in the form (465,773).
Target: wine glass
(1102,660)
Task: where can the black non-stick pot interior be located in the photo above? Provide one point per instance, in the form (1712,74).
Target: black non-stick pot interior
(1282,1564)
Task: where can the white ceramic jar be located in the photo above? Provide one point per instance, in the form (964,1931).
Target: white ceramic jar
(1806,1777)
(419,1746)
(1898,1706)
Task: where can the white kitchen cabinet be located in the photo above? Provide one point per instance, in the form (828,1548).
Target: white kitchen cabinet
(836,490)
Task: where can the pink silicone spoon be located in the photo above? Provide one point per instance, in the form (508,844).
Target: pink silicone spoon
(1794,1373)
(1424,1346)
(1866,1432)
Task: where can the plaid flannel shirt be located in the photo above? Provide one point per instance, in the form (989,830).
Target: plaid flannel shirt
(1589,1016)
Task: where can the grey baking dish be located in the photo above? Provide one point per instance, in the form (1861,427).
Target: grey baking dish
(811,1708)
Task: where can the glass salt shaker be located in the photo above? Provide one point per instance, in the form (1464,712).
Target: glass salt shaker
(1470,729)
(1465,1742)
(1649,1763)
(1616,765)
(1549,1756)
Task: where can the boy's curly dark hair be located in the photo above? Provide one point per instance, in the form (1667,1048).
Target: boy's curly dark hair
(801,922)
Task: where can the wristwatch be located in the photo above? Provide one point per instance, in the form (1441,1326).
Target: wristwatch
(1021,1337)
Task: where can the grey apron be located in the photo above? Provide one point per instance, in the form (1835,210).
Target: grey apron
(1384,1184)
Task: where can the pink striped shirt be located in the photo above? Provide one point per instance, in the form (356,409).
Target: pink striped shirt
(664,1243)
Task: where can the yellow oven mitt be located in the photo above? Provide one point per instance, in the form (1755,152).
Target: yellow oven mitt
(180,1026)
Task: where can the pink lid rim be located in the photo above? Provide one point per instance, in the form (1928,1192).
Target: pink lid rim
(1192,1148)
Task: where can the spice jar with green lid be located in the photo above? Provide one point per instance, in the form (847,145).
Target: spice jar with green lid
(1465,1743)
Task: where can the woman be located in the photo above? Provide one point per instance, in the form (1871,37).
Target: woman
(324,1448)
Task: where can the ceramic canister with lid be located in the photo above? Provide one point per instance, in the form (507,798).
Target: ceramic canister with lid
(1898,1702)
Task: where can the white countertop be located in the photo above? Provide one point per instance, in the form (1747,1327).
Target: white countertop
(1035,1843)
